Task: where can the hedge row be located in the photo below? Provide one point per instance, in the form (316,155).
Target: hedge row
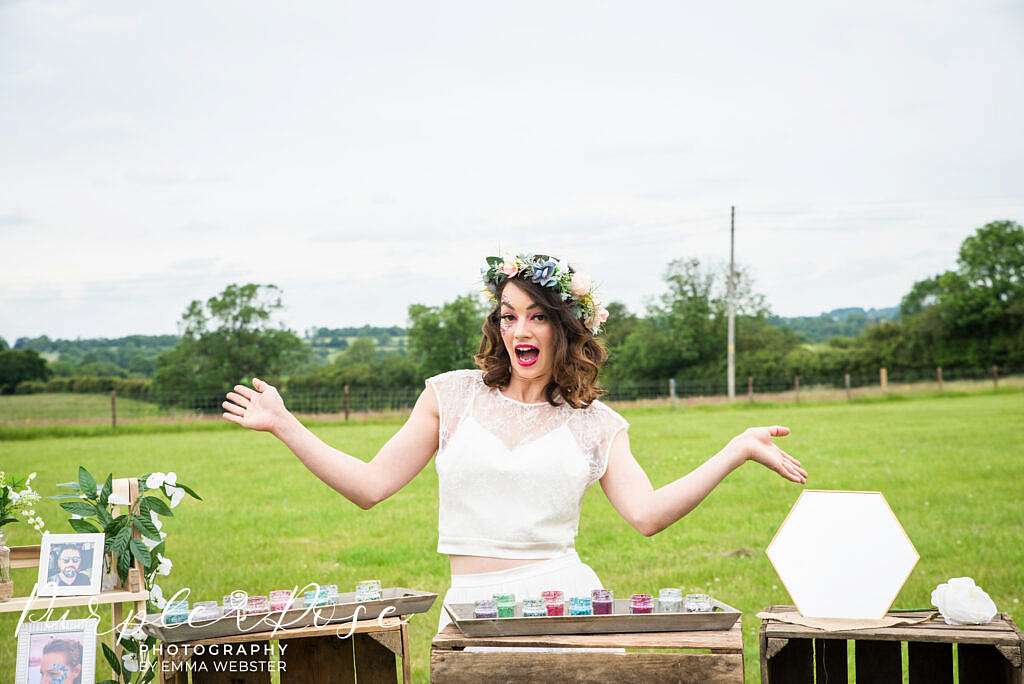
(132,388)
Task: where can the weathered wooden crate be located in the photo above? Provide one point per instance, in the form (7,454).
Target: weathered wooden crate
(986,654)
(532,659)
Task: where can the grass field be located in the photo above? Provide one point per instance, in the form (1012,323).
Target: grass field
(950,466)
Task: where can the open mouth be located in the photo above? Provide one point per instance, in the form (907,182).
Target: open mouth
(526,354)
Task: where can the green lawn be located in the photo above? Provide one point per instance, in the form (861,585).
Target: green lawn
(951,468)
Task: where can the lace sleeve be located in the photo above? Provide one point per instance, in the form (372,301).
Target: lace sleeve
(594,429)
(454,390)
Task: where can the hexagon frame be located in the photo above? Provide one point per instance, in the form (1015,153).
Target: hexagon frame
(859,560)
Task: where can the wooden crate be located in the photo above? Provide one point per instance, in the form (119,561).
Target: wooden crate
(528,661)
(986,654)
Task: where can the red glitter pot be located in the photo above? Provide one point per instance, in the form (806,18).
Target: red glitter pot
(603,601)
(641,604)
(554,601)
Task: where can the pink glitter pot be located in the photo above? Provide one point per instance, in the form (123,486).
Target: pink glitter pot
(554,601)
(641,604)
(257,604)
(279,600)
(603,601)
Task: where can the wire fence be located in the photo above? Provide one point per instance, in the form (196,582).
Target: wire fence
(102,407)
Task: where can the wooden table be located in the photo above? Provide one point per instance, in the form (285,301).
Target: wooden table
(986,654)
(303,655)
(450,663)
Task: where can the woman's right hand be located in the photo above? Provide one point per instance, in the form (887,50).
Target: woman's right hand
(259,409)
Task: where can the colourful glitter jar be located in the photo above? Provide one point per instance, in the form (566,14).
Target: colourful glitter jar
(670,600)
(580,605)
(314,599)
(368,590)
(554,601)
(506,604)
(332,592)
(534,608)
(697,603)
(641,604)
(257,604)
(485,608)
(205,610)
(602,601)
(280,599)
(234,603)
(175,612)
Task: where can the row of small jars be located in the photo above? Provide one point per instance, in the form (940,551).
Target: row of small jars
(239,603)
(600,602)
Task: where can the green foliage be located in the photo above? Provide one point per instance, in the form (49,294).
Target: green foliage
(133,355)
(228,340)
(845,322)
(124,387)
(20,365)
(446,337)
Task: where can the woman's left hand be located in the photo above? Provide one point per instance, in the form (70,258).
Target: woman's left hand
(755,444)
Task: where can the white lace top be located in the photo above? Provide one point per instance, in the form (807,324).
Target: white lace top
(511,476)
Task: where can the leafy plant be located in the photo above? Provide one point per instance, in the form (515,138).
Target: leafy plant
(133,535)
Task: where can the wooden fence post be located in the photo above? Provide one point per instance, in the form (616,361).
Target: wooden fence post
(113,409)
(995,377)
(750,387)
(796,385)
(846,381)
(346,402)
(883,376)
(938,375)
(672,392)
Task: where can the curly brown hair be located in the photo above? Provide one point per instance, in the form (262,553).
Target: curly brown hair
(578,355)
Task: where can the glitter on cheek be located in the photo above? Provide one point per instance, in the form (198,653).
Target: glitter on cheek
(506,326)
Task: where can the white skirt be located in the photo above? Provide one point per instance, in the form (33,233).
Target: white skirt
(566,573)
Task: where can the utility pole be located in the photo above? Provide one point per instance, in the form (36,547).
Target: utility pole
(732,304)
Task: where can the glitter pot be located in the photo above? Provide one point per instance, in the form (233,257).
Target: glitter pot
(602,601)
(368,590)
(485,608)
(279,599)
(554,602)
(332,592)
(205,610)
(534,608)
(175,612)
(580,605)
(670,600)
(314,599)
(641,604)
(234,603)
(257,604)
(697,603)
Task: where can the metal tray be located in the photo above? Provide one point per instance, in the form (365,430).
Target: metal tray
(722,617)
(403,601)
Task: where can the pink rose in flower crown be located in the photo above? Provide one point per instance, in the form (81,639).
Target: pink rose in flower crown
(509,268)
(602,315)
(580,284)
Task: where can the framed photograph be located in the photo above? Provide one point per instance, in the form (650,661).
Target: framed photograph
(70,564)
(59,652)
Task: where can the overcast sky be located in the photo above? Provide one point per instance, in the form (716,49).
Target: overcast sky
(367,155)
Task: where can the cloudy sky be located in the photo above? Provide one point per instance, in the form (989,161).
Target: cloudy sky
(366,155)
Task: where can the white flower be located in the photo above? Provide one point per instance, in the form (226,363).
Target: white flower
(164,568)
(157,523)
(30,512)
(171,478)
(118,500)
(150,544)
(15,496)
(131,662)
(31,476)
(155,480)
(156,595)
(962,602)
(176,494)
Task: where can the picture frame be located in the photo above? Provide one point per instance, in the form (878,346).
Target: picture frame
(57,651)
(70,564)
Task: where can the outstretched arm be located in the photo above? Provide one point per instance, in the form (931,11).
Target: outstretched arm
(651,510)
(362,483)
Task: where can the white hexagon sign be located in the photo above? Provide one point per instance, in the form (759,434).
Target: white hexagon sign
(842,554)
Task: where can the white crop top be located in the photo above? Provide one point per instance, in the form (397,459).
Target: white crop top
(511,476)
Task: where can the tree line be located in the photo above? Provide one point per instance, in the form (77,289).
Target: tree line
(966,318)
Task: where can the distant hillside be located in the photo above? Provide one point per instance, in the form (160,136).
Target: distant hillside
(845,322)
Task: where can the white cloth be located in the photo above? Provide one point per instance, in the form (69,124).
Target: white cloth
(566,573)
(511,476)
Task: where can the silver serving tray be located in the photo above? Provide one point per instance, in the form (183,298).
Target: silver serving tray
(722,617)
(403,602)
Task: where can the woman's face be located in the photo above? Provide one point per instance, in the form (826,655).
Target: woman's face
(56,670)
(527,333)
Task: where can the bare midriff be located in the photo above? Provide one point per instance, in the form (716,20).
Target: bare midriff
(472,565)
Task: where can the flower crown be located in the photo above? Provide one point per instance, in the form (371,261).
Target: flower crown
(573,287)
